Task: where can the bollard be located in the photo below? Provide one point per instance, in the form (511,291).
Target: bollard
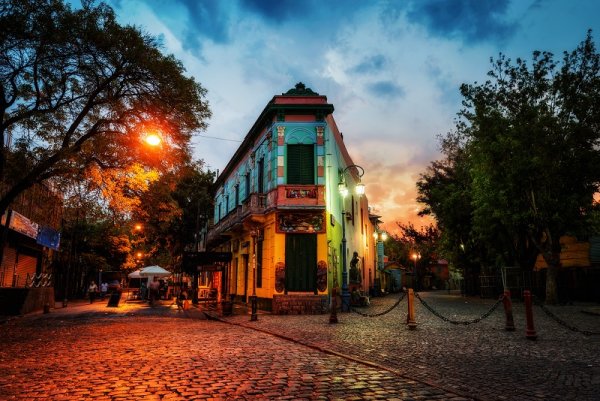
(410,318)
(333,316)
(530,331)
(47,307)
(510,323)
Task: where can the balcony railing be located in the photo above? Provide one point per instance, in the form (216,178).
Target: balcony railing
(254,204)
(285,196)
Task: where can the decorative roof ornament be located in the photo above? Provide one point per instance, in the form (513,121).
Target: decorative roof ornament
(300,90)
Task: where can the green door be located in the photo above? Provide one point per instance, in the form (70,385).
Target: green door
(301,262)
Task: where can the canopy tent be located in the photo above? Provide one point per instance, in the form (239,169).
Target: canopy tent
(135,274)
(154,271)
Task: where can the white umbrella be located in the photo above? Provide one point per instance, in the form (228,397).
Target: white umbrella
(135,274)
(154,271)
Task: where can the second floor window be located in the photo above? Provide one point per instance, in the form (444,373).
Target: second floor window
(261,176)
(300,164)
(247,185)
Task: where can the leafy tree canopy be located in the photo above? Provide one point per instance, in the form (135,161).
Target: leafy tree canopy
(530,137)
(79,90)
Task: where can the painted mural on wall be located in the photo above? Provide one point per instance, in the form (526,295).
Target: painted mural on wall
(321,275)
(294,193)
(280,277)
(298,223)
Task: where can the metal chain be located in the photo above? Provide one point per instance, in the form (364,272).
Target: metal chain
(403,294)
(562,322)
(463,322)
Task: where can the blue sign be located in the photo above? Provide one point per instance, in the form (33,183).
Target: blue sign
(48,237)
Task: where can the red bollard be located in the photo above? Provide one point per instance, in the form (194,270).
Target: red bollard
(530,332)
(410,318)
(510,323)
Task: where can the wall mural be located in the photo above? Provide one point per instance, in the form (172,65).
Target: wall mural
(295,193)
(298,223)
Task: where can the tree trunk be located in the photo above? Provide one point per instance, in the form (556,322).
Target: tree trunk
(551,279)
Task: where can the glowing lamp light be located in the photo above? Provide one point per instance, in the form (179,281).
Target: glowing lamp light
(360,188)
(153,140)
(343,189)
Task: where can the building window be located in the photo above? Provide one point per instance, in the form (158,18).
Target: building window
(300,164)
(261,176)
(237,195)
(247,184)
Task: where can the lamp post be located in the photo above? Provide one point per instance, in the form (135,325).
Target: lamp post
(415,257)
(380,237)
(343,189)
(255,233)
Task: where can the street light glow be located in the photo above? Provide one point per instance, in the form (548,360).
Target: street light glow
(153,139)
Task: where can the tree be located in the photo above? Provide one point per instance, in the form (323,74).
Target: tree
(531,138)
(77,89)
(174,209)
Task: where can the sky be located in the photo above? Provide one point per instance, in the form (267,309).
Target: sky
(392,69)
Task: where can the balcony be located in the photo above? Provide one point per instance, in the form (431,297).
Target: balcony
(256,204)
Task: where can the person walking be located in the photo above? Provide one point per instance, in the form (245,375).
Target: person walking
(153,287)
(103,290)
(92,290)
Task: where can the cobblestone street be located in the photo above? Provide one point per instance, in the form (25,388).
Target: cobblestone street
(137,352)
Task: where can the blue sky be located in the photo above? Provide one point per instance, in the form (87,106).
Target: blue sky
(392,69)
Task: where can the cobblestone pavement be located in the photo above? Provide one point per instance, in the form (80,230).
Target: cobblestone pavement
(479,360)
(134,352)
(137,352)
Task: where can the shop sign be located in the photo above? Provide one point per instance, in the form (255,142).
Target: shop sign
(21,224)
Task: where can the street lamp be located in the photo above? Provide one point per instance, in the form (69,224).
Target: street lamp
(255,233)
(415,256)
(380,237)
(153,139)
(359,188)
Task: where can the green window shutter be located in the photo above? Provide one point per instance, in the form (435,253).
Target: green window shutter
(300,164)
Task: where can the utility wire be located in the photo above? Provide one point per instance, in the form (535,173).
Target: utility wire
(221,139)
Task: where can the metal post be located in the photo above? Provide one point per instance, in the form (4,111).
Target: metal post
(410,318)
(253,300)
(510,324)
(345,292)
(530,331)
(333,316)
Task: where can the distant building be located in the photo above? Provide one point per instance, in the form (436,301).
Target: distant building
(279,213)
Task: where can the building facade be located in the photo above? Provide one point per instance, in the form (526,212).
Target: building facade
(279,213)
